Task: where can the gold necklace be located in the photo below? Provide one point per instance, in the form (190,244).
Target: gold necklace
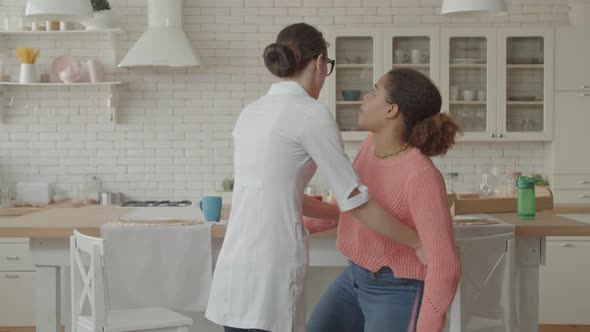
(405,146)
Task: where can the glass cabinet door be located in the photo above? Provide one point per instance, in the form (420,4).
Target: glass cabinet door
(357,58)
(523,91)
(354,78)
(416,49)
(524,84)
(468,82)
(469,65)
(413,53)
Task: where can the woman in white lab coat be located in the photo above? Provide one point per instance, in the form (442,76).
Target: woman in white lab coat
(280,139)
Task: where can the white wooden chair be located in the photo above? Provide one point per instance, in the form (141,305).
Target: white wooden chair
(89,287)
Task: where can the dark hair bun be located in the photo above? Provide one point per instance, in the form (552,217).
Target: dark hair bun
(280,60)
(435,135)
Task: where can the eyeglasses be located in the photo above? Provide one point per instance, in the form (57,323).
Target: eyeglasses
(332,64)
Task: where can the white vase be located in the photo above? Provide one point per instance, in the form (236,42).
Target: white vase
(102,20)
(28,73)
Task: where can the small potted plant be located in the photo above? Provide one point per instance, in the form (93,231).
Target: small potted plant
(103,16)
(227,185)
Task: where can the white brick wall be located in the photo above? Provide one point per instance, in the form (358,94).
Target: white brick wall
(174,136)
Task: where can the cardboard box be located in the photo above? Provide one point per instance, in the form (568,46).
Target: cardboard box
(473,203)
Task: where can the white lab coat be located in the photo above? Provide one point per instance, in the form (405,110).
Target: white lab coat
(279,139)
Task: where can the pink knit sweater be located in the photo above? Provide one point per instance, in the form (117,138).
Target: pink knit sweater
(412,189)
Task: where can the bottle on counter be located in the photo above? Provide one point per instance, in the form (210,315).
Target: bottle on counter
(525,198)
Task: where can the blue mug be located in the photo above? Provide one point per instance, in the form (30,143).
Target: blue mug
(211,207)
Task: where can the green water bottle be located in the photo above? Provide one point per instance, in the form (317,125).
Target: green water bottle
(525,198)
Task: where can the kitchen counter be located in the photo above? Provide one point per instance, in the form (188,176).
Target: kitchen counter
(49,230)
(18,211)
(24,210)
(59,223)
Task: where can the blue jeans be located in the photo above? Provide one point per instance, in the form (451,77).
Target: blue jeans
(233,329)
(362,301)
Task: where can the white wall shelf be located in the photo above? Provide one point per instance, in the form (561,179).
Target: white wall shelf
(62,33)
(112,102)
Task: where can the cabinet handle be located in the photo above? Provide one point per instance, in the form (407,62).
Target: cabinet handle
(12,258)
(12,276)
(584,86)
(583,196)
(500,135)
(493,135)
(583,182)
(584,94)
(566,245)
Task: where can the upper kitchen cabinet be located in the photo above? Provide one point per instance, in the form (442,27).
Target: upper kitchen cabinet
(567,158)
(358,65)
(525,84)
(416,49)
(468,80)
(572,51)
(496,83)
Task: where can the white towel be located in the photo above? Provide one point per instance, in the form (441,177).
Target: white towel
(165,266)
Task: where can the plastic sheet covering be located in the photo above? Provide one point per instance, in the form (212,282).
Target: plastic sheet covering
(483,301)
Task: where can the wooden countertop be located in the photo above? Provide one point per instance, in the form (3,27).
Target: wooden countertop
(18,211)
(545,224)
(24,210)
(58,223)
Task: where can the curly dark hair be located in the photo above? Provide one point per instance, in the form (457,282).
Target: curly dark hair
(419,103)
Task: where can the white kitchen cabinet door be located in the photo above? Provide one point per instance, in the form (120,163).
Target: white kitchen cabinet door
(18,299)
(417,49)
(468,69)
(359,64)
(564,289)
(525,84)
(572,133)
(572,59)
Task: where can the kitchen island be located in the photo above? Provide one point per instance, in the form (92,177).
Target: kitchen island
(49,231)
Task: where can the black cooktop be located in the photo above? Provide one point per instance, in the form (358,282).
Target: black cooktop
(157,203)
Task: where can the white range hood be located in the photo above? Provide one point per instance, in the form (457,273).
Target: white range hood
(164,43)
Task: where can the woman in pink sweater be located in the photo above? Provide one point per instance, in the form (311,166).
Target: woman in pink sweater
(385,287)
